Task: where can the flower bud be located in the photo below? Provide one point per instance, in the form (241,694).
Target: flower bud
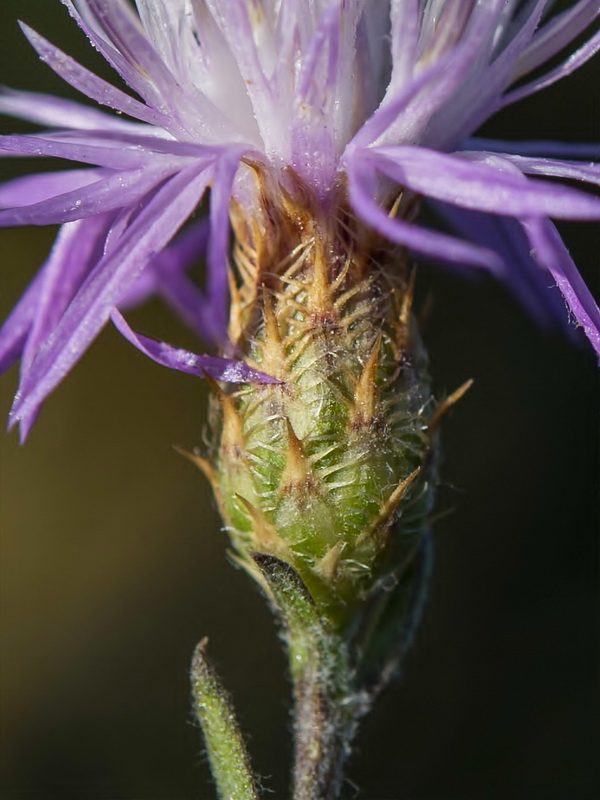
(329,470)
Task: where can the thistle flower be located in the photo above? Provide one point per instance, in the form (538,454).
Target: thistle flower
(319,129)
(365,107)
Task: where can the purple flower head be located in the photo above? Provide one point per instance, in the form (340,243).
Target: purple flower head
(372,100)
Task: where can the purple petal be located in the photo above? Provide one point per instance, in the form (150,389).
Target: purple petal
(391,110)
(569,65)
(110,155)
(582,150)
(115,30)
(112,27)
(558,33)
(478,95)
(174,259)
(314,132)
(551,253)
(16,327)
(143,138)
(363,187)
(165,276)
(32,189)
(107,284)
(407,110)
(89,84)
(115,191)
(328,103)
(404,18)
(220,369)
(77,248)
(218,246)
(523,275)
(44,301)
(479,186)
(550,168)
(371,64)
(56,112)
(241,26)
(178,106)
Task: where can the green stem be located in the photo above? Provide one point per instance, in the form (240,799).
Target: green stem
(229,761)
(323,728)
(326,705)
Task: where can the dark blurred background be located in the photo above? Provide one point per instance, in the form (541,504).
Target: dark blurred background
(114,565)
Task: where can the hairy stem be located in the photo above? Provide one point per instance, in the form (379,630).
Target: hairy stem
(323,727)
(326,704)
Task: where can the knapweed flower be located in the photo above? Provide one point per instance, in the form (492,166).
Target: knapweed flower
(318,127)
(342,107)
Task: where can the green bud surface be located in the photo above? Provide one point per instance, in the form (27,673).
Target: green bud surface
(332,469)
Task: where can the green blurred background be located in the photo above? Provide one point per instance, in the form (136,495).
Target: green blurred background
(114,565)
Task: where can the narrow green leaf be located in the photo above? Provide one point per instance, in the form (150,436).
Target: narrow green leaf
(229,761)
